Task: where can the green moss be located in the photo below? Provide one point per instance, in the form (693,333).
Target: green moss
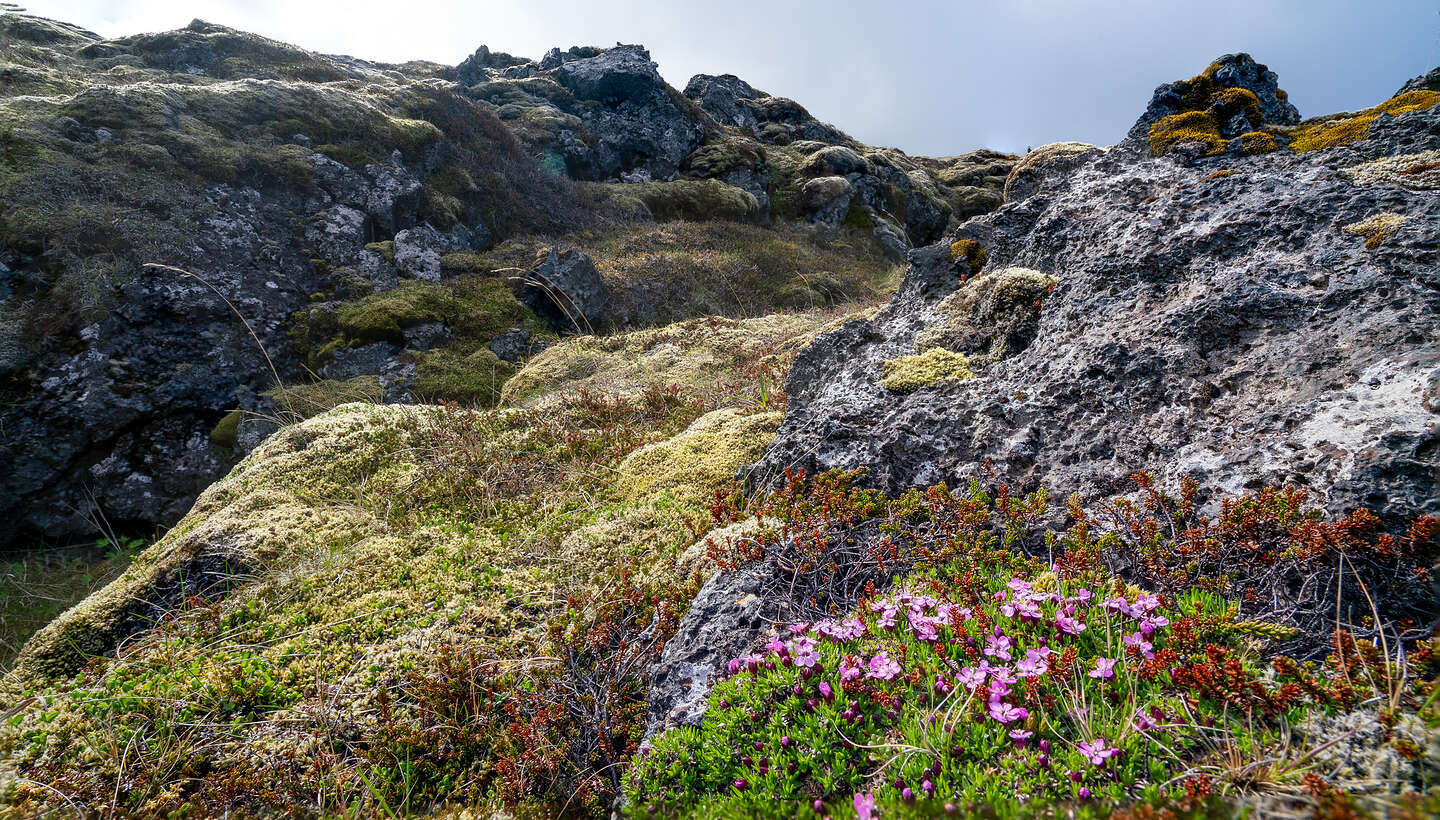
(1376,229)
(470,378)
(693,200)
(857,217)
(465,262)
(1258,142)
(346,155)
(970,252)
(1419,171)
(689,354)
(1343,129)
(1187,126)
(227,430)
(386,249)
(907,374)
(991,317)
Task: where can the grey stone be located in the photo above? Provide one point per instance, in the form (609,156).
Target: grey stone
(566,290)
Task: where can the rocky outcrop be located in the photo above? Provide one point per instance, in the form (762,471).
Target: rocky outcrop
(1210,319)
(595,114)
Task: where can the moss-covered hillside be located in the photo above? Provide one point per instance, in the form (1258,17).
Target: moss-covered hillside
(328,227)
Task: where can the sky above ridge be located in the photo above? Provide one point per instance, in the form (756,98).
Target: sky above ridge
(930,77)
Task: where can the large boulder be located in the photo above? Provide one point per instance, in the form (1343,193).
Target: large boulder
(566,289)
(1240,321)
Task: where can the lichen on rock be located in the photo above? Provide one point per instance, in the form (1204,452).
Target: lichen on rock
(906,374)
(1376,229)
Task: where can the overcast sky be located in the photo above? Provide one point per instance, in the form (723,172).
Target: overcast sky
(930,77)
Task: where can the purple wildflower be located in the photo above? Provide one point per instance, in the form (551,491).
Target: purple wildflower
(1069,625)
(1104,669)
(882,667)
(864,805)
(1007,713)
(1097,751)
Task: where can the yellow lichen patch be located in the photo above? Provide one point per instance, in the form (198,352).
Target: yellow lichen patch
(907,374)
(709,453)
(1187,126)
(1258,142)
(1220,174)
(1376,229)
(970,251)
(1418,172)
(1343,129)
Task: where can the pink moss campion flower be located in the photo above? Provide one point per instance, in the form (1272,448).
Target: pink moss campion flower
(998,646)
(1141,645)
(1020,736)
(1002,674)
(864,805)
(1104,669)
(826,692)
(1033,665)
(1143,722)
(998,690)
(804,651)
(850,668)
(1006,713)
(970,677)
(799,629)
(774,645)
(1069,625)
(1097,751)
(887,616)
(882,667)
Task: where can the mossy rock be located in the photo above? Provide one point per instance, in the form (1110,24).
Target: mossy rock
(694,200)
(906,374)
(1343,129)
(969,254)
(991,317)
(227,431)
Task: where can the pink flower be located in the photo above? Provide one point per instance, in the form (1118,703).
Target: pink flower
(1097,751)
(1138,641)
(864,805)
(1033,665)
(1007,713)
(774,645)
(998,646)
(804,651)
(882,667)
(1068,625)
(998,690)
(924,627)
(970,677)
(826,692)
(1002,674)
(1104,669)
(1144,723)
(849,669)
(800,627)
(888,610)
(1020,736)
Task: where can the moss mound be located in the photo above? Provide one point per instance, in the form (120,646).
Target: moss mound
(991,317)
(725,359)
(705,456)
(693,200)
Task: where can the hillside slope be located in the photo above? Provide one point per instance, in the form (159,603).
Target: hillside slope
(382,230)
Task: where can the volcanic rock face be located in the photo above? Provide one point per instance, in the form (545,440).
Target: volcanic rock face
(1212,320)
